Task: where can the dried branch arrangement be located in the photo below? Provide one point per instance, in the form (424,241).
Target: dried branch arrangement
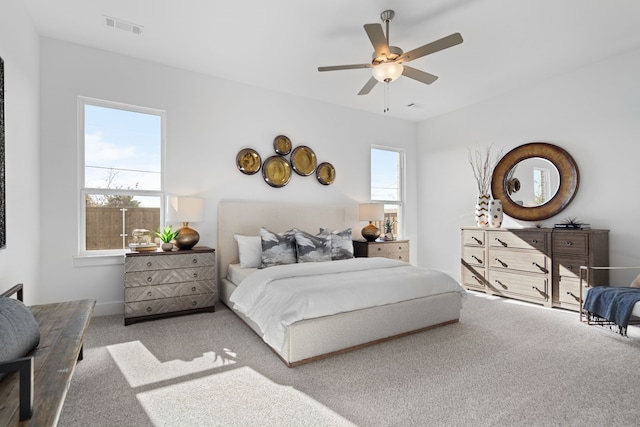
(483,163)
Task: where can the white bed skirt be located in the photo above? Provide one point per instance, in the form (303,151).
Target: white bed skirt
(313,339)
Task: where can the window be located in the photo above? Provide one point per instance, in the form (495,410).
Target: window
(121,173)
(386,184)
(540,185)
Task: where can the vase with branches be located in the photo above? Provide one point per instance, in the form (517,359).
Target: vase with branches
(482,163)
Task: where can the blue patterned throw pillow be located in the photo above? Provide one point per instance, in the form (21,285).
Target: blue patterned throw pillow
(277,249)
(313,248)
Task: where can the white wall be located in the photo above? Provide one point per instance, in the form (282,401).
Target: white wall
(19,48)
(592,112)
(208,121)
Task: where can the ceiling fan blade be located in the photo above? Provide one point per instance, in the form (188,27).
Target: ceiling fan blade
(418,75)
(378,40)
(367,87)
(344,67)
(432,47)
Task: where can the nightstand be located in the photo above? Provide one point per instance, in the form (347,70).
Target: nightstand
(161,284)
(394,249)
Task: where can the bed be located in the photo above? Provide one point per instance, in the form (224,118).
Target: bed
(310,339)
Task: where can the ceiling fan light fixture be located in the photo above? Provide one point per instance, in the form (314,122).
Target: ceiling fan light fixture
(387,71)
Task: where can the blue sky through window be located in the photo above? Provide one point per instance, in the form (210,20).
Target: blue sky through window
(122,149)
(385,167)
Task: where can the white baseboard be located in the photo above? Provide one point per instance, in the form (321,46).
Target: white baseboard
(108,309)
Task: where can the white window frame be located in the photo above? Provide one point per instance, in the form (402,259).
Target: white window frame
(83,191)
(401,180)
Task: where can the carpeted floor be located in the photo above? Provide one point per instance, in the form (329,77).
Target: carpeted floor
(505,363)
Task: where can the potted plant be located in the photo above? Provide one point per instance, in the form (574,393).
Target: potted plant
(167,236)
(388,229)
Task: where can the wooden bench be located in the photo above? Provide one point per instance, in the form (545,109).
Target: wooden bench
(62,330)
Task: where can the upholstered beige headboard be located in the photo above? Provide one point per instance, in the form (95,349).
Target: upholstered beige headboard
(235,217)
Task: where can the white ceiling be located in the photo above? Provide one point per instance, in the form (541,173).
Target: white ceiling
(278,44)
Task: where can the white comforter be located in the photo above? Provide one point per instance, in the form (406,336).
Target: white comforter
(276,297)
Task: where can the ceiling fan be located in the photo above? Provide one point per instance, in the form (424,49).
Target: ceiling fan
(388,61)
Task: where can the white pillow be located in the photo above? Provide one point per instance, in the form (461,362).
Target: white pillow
(249,250)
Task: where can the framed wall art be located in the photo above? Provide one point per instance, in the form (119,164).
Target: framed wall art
(3,225)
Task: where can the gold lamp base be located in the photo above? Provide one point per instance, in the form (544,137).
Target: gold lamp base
(370,232)
(187,237)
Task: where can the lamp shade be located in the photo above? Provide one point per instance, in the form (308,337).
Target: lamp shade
(185,209)
(371,212)
(387,71)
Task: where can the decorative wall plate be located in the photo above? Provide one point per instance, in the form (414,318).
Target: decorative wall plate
(303,160)
(276,171)
(326,173)
(248,161)
(282,145)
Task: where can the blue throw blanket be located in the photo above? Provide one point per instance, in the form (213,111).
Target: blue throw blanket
(612,304)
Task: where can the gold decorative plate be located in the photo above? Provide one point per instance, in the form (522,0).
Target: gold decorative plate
(276,171)
(303,160)
(248,161)
(326,173)
(282,145)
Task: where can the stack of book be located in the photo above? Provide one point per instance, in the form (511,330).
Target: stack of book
(572,226)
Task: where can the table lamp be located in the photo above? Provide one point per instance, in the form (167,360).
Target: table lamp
(371,212)
(185,210)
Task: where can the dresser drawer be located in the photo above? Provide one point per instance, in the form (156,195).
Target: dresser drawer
(520,285)
(473,237)
(144,293)
(388,248)
(473,277)
(567,242)
(473,256)
(569,292)
(536,240)
(161,306)
(569,267)
(158,277)
(154,262)
(531,262)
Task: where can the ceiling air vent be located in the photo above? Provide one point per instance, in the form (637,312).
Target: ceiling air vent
(119,24)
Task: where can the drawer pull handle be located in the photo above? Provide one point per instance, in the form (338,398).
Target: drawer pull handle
(477,259)
(399,256)
(399,248)
(379,249)
(568,243)
(478,241)
(477,279)
(534,241)
(505,265)
(501,242)
(574,297)
(502,284)
(193,289)
(195,275)
(544,270)
(569,267)
(195,261)
(149,263)
(539,291)
(149,309)
(149,293)
(194,303)
(149,279)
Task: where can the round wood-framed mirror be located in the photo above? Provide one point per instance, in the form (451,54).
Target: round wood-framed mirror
(549,201)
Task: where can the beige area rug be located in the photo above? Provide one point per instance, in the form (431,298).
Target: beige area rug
(205,401)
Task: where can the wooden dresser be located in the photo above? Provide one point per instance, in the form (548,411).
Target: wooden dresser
(539,265)
(571,249)
(160,284)
(394,249)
